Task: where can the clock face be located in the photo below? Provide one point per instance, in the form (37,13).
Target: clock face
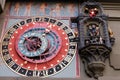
(39,47)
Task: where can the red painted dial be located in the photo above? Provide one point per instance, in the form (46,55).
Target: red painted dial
(38,46)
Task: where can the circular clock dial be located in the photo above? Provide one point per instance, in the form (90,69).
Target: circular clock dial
(38,47)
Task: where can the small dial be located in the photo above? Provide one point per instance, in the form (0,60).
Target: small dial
(38,47)
(31,44)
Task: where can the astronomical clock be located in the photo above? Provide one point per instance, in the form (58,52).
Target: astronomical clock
(38,47)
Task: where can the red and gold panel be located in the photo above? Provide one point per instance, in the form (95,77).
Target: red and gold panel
(39,46)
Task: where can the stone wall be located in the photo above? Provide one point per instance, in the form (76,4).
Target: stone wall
(112,71)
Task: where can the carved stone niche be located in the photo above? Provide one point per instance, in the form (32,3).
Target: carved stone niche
(95,38)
